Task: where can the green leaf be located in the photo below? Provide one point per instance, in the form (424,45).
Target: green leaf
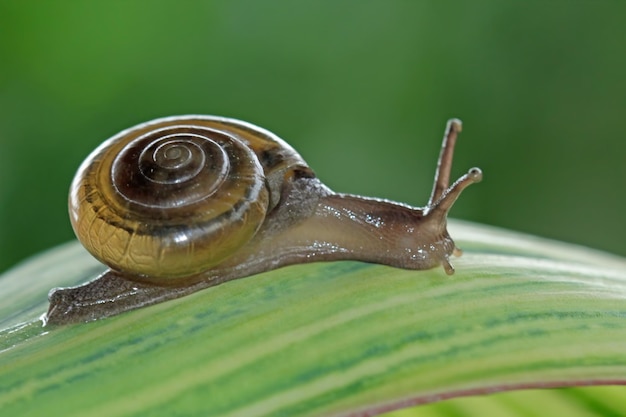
(342,338)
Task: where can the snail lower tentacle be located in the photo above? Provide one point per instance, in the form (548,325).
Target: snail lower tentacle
(184,203)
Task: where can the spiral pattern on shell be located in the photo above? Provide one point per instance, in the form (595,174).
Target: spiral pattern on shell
(168,200)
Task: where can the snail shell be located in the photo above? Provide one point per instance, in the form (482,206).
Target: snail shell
(174,197)
(183,203)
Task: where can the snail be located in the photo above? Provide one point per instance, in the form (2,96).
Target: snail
(179,204)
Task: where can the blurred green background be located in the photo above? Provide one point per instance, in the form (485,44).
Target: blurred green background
(361,88)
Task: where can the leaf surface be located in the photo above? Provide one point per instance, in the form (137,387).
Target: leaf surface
(326,339)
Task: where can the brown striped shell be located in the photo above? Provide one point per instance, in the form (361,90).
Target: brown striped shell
(170,198)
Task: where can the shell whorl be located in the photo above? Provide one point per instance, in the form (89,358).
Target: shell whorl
(171,198)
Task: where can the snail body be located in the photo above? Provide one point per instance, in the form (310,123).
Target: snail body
(182,203)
